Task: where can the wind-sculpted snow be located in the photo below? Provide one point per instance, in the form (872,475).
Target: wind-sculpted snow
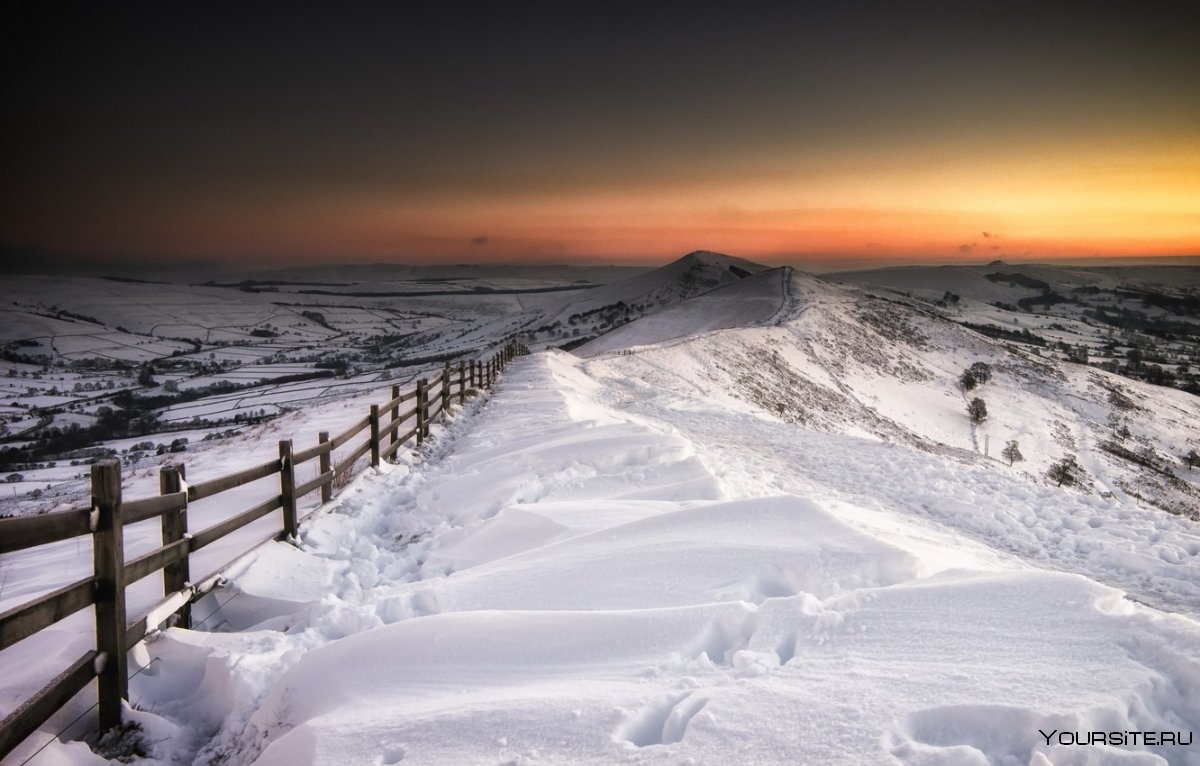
(607,564)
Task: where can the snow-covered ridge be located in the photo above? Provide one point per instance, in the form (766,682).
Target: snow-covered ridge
(755,300)
(609,568)
(586,313)
(846,361)
(755,526)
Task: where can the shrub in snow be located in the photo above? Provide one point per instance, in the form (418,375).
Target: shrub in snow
(1065,471)
(981,371)
(977,409)
(967,381)
(1012,452)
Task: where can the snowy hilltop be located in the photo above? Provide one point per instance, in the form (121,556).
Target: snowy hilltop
(759,525)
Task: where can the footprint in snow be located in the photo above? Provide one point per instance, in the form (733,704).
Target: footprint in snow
(663,723)
(391,755)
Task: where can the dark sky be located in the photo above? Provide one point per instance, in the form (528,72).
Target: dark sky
(296,132)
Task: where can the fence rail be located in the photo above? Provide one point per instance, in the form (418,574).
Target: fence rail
(112,573)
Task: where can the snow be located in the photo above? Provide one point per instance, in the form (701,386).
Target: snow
(773,539)
(754,300)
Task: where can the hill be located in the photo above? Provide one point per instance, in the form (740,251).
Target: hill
(775,539)
(750,301)
(591,312)
(846,361)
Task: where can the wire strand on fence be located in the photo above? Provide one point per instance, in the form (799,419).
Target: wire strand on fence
(81,716)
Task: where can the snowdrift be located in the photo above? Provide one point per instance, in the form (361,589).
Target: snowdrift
(604,568)
(776,538)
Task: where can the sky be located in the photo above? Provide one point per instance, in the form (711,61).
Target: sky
(808,133)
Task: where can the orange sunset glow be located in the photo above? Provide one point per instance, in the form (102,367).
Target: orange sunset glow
(970,135)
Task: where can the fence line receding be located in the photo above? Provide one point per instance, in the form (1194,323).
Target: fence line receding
(113,573)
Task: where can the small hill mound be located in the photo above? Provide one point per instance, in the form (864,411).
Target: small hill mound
(751,301)
(590,312)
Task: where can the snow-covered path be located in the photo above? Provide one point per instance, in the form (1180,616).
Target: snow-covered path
(600,570)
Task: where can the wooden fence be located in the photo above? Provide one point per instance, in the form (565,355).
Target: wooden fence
(112,573)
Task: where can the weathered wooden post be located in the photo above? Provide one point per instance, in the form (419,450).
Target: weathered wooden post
(445,389)
(395,412)
(421,411)
(462,388)
(177,574)
(325,465)
(425,406)
(287,487)
(108,547)
(374,435)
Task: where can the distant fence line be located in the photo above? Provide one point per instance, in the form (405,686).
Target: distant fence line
(112,574)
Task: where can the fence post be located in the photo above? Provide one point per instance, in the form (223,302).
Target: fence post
(395,413)
(326,462)
(445,389)
(462,388)
(374,435)
(421,410)
(474,382)
(425,406)
(108,550)
(176,575)
(287,487)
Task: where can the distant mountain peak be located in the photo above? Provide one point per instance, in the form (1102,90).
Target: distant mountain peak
(719,260)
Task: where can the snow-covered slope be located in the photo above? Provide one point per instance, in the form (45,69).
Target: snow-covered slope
(693,274)
(604,567)
(751,301)
(775,543)
(848,362)
(584,314)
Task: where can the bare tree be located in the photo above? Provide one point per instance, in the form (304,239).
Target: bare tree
(1012,452)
